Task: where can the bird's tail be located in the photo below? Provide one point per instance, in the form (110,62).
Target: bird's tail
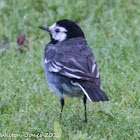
(92,91)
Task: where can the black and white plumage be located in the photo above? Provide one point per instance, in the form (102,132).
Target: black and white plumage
(70,66)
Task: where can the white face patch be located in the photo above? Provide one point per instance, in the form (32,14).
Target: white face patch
(58,33)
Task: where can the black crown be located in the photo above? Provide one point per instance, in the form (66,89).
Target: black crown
(73,30)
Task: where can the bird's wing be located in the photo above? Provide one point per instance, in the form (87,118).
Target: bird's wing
(71,69)
(72,63)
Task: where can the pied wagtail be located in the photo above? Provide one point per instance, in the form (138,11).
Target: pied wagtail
(70,66)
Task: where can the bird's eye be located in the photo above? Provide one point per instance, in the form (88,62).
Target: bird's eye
(57,30)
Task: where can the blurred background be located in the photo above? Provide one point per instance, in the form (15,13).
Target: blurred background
(27,106)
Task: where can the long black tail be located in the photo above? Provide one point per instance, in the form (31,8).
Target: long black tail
(92,91)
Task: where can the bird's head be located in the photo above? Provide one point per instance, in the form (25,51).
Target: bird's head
(62,30)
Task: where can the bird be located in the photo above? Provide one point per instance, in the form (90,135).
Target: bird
(70,66)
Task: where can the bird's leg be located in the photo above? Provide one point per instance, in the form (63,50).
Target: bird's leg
(62,104)
(85,101)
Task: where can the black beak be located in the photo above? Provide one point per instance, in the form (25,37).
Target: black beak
(44,28)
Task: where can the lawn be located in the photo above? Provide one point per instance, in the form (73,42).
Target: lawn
(28,108)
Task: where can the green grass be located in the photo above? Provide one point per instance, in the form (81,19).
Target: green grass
(112,29)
